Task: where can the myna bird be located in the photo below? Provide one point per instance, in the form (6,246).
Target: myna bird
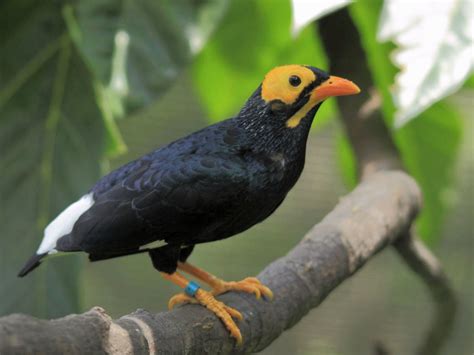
(210,185)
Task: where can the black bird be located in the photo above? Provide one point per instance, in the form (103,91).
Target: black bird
(207,186)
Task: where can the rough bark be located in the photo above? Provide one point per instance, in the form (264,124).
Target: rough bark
(369,218)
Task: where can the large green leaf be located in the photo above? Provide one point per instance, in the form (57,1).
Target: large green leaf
(236,59)
(429,144)
(51,139)
(137,48)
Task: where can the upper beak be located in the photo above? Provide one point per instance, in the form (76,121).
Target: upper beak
(334,86)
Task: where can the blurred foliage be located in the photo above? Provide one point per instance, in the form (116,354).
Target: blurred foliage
(69,69)
(347,162)
(51,138)
(65,75)
(470,83)
(135,49)
(429,147)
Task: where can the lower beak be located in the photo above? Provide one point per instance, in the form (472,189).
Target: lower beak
(334,86)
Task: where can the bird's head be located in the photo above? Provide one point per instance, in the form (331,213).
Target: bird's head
(288,94)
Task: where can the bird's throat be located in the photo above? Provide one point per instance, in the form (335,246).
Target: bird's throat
(295,120)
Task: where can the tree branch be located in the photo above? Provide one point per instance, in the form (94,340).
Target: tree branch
(375,151)
(381,208)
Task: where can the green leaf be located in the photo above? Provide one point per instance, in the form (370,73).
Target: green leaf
(225,75)
(347,162)
(51,139)
(429,147)
(137,48)
(469,82)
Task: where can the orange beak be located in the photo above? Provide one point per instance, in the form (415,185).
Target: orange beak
(334,86)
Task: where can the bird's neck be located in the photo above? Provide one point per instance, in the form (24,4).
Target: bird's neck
(269,134)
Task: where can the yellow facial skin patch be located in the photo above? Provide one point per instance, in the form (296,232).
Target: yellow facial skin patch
(295,120)
(276,85)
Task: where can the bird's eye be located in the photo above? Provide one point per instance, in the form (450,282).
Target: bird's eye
(295,80)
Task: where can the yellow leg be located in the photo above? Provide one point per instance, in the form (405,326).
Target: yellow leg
(249,284)
(205,298)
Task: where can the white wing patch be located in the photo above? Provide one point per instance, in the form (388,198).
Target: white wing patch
(63,224)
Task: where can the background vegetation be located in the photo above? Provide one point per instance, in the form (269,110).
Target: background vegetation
(88,85)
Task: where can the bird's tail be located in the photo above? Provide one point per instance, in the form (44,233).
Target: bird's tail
(31,264)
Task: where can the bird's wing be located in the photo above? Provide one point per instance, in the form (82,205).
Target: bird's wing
(196,184)
(166,200)
(133,168)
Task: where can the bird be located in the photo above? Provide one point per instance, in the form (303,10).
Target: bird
(207,186)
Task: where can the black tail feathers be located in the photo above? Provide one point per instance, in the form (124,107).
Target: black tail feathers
(31,264)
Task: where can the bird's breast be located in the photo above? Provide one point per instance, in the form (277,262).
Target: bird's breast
(279,160)
(281,171)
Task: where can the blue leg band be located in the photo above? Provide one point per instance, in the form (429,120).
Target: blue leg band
(191,288)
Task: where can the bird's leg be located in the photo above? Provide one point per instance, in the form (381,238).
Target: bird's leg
(194,294)
(249,284)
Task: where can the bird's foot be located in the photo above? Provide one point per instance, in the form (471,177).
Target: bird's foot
(180,298)
(249,285)
(207,299)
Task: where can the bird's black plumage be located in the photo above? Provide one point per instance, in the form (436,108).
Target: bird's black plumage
(207,186)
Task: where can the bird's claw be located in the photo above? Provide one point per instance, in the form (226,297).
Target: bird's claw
(224,312)
(180,298)
(207,299)
(249,285)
